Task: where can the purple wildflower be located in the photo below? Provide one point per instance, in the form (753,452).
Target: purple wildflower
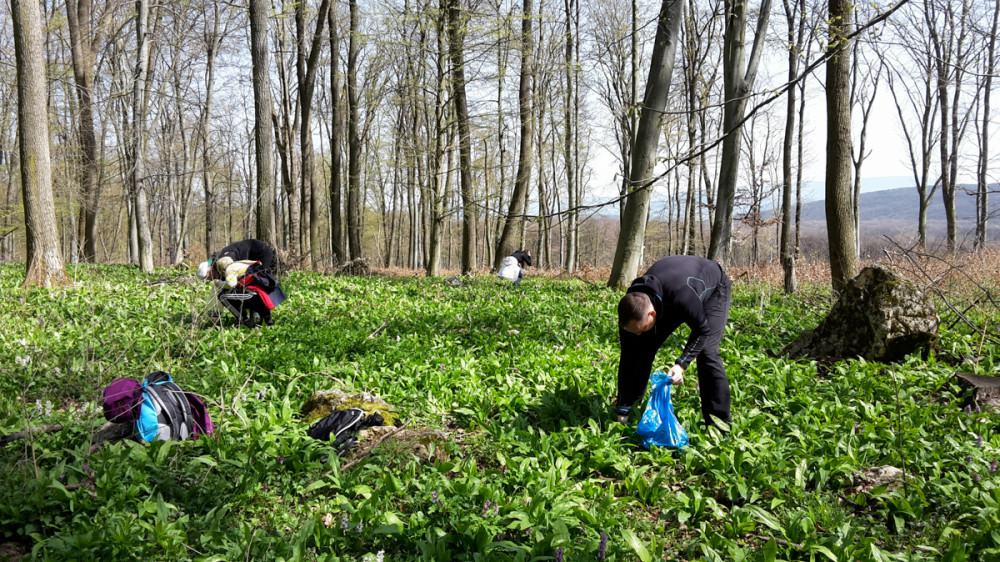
(63,476)
(976,477)
(968,459)
(993,466)
(434,497)
(602,549)
(968,410)
(86,468)
(281,459)
(978,409)
(527,532)
(486,507)
(979,441)
(496,506)
(559,554)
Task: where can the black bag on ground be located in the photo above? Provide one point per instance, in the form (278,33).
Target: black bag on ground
(342,426)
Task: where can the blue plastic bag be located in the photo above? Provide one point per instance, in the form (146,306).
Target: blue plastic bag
(659,425)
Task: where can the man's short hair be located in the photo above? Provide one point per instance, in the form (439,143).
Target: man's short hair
(632,307)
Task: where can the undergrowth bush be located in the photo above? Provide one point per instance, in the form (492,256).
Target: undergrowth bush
(533,464)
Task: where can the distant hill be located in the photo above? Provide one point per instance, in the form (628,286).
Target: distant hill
(894,212)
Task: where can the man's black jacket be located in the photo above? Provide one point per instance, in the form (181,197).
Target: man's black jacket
(678,286)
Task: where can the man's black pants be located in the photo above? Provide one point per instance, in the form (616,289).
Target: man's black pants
(712,380)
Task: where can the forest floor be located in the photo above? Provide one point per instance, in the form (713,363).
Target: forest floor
(524,459)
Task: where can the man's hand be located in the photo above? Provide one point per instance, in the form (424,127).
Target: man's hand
(676,374)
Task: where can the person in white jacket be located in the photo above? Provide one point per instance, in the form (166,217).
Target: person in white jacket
(513,266)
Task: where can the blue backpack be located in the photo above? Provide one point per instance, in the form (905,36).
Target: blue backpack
(158,407)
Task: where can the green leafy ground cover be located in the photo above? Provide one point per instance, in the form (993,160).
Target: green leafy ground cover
(534,466)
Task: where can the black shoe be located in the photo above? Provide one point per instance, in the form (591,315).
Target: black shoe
(268,320)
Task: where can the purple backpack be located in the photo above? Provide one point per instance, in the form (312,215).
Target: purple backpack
(157,407)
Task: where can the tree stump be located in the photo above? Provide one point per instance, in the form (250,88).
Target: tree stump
(355,268)
(879,316)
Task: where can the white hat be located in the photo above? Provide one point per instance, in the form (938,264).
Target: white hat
(203,269)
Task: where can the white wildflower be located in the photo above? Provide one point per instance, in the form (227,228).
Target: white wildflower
(380,557)
(48,408)
(23,361)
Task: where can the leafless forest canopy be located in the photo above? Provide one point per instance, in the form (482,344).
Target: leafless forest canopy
(412,131)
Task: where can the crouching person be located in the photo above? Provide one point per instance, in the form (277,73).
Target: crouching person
(512,268)
(246,288)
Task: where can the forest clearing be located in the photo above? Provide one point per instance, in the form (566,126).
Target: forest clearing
(526,460)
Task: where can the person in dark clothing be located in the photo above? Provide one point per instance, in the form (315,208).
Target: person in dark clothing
(523,258)
(250,249)
(675,290)
(242,272)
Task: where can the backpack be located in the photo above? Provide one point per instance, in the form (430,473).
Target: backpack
(158,408)
(341,426)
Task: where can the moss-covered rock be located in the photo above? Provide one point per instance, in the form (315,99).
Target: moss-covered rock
(323,402)
(879,316)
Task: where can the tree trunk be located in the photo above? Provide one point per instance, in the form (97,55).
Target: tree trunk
(628,252)
(569,141)
(263,133)
(44,262)
(839,212)
(306,67)
(456,23)
(794,48)
(439,157)
(336,133)
(736,91)
(213,42)
(137,140)
(515,212)
(982,193)
(353,140)
(85,38)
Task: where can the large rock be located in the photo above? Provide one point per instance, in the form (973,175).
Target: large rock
(879,316)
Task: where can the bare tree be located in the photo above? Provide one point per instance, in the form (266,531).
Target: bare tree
(917,97)
(737,90)
(839,206)
(336,134)
(263,134)
(633,227)
(515,212)
(455,49)
(135,145)
(307,64)
(44,260)
(947,27)
(353,139)
(795,18)
(86,32)
(982,177)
